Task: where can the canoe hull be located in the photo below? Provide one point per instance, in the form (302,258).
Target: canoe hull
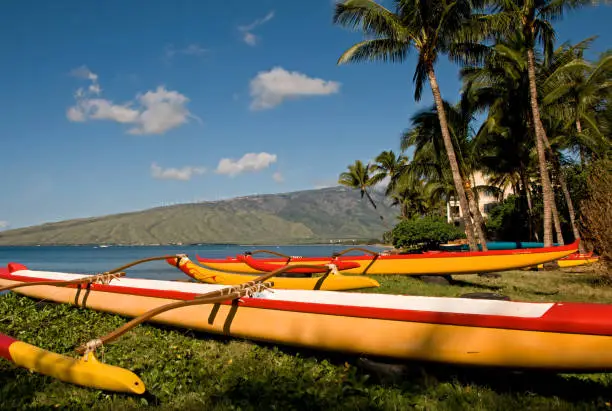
(433,263)
(332,282)
(282,322)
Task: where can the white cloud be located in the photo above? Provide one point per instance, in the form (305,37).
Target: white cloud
(4,224)
(183,174)
(85,73)
(278,177)
(191,50)
(271,88)
(248,162)
(157,112)
(248,37)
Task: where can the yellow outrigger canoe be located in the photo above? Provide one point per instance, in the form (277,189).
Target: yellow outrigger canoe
(427,263)
(86,371)
(330,282)
(552,336)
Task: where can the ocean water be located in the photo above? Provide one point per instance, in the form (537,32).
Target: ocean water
(95,259)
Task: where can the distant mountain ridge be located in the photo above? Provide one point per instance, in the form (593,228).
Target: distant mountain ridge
(295,217)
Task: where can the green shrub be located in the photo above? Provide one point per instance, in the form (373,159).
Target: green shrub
(426,233)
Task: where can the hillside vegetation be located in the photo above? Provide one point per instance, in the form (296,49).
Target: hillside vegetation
(296,217)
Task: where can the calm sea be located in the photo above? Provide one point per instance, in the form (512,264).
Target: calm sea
(94,259)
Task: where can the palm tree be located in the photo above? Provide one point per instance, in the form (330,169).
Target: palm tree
(358,177)
(409,194)
(572,90)
(425,135)
(432,28)
(532,18)
(391,166)
(505,141)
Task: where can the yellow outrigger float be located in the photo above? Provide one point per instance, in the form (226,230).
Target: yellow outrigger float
(575,260)
(86,371)
(331,281)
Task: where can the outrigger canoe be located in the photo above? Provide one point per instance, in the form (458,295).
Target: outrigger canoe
(332,281)
(84,371)
(427,263)
(561,337)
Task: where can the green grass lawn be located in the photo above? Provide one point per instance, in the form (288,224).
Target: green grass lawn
(187,370)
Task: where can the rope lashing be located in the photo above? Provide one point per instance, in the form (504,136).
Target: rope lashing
(105,279)
(96,278)
(333,268)
(91,346)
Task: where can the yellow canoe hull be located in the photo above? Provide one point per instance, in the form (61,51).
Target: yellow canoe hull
(454,344)
(86,372)
(331,282)
(444,263)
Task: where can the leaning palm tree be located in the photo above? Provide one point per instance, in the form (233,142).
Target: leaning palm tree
(358,177)
(532,18)
(432,27)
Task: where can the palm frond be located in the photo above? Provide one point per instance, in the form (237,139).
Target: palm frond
(385,50)
(369,17)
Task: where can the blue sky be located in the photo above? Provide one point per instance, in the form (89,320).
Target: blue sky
(113,106)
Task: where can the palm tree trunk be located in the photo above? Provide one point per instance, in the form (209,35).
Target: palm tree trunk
(557,223)
(532,232)
(547,194)
(448,144)
(477,216)
(580,148)
(566,193)
(374,205)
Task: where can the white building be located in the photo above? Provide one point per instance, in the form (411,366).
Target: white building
(485,201)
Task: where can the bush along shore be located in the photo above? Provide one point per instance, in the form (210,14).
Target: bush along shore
(183,369)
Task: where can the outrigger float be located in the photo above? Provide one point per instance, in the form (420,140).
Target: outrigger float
(561,337)
(86,371)
(575,260)
(332,280)
(426,263)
